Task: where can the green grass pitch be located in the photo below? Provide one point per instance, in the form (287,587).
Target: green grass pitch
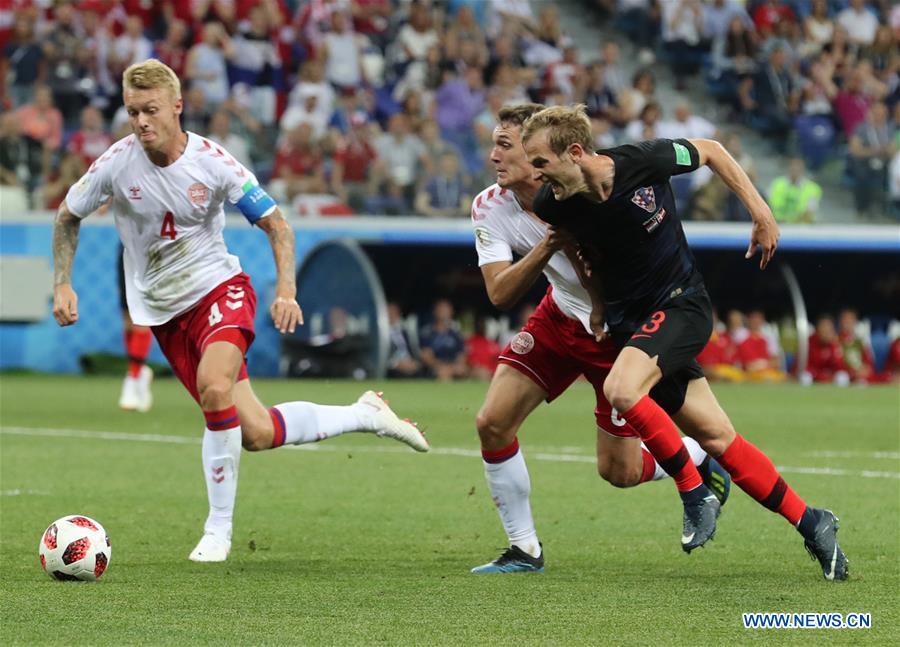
(362,541)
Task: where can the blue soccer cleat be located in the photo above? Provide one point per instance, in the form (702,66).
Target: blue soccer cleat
(701,509)
(513,560)
(820,539)
(715,478)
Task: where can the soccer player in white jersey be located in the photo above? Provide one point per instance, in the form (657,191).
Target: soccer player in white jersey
(553,349)
(167,189)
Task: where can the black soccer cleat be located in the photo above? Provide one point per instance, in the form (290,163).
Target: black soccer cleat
(820,539)
(715,478)
(513,560)
(701,509)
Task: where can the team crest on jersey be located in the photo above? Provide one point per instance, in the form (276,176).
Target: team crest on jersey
(134,193)
(522,343)
(645,198)
(198,193)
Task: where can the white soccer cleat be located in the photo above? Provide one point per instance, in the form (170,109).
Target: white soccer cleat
(145,394)
(211,548)
(136,394)
(386,422)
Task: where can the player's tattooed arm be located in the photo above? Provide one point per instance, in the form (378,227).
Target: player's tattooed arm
(65,240)
(285,311)
(764,232)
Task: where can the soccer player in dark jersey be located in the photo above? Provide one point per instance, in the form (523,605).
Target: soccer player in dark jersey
(647,289)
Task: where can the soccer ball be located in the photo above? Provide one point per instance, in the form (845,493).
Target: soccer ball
(75,548)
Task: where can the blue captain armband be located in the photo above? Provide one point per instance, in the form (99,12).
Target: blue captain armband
(255,204)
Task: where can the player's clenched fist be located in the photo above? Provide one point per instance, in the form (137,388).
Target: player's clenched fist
(65,305)
(286,314)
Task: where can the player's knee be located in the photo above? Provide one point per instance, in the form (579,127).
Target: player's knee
(616,473)
(493,433)
(621,394)
(215,393)
(256,435)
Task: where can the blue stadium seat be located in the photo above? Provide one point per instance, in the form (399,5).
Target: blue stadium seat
(815,136)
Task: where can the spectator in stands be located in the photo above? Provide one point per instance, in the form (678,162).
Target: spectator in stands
(69,170)
(616,78)
(307,112)
(818,29)
(435,147)
(206,64)
(851,104)
(26,61)
(775,99)
(298,165)
(882,53)
(196,112)
(601,131)
(756,353)
(871,148)
(41,126)
(400,157)
(858,358)
(682,33)
(372,18)
(413,106)
(402,360)
(639,20)
(91,140)
(860,23)
(482,352)
(633,99)
(735,327)
(719,357)
(172,50)
(892,363)
(463,31)
(10,149)
(734,61)
(599,97)
(770,13)
(794,197)
(443,348)
(826,360)
(713,200)
(688,125)
(352,175)
(130,47)
(311,80)
(445,194)
(646,126)
(341,50)
(415,37)
(458,101)
(718,15)
(220,133)
(68,64)
(255,65)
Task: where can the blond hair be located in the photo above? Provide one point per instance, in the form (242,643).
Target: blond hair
(566,126)
(149,75)
(518,114)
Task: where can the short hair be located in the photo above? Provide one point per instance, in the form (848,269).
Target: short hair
(567,126)
(151,74)
(518,114)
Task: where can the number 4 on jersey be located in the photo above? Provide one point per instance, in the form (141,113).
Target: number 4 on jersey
(168,226)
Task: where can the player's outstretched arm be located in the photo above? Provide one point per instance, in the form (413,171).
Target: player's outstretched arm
(285,311)
(764,232)
(65,241)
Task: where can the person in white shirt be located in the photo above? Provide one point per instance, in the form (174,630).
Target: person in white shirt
(552,350)
(166,189)
(860,23)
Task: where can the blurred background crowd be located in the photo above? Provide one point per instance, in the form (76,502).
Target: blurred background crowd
(387,106)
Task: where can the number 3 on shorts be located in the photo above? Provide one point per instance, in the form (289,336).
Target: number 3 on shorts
(215,315)
(655,322)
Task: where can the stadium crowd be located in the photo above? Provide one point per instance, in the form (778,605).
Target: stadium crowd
(386,106)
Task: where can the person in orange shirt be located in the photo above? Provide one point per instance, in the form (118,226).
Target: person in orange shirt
(755,352)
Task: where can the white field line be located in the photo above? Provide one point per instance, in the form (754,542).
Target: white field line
(892,456)
(393,449)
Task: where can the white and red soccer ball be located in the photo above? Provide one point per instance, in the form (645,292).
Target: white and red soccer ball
(75,548)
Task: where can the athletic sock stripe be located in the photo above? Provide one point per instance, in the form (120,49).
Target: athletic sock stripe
(500,455)
(674,464)
(221,420)
(278,425)
(774,498)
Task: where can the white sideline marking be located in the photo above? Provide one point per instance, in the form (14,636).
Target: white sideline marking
(893,456)
(444,451)
(18,492)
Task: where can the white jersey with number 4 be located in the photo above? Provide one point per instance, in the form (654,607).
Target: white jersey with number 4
(502,227)
(170,219)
